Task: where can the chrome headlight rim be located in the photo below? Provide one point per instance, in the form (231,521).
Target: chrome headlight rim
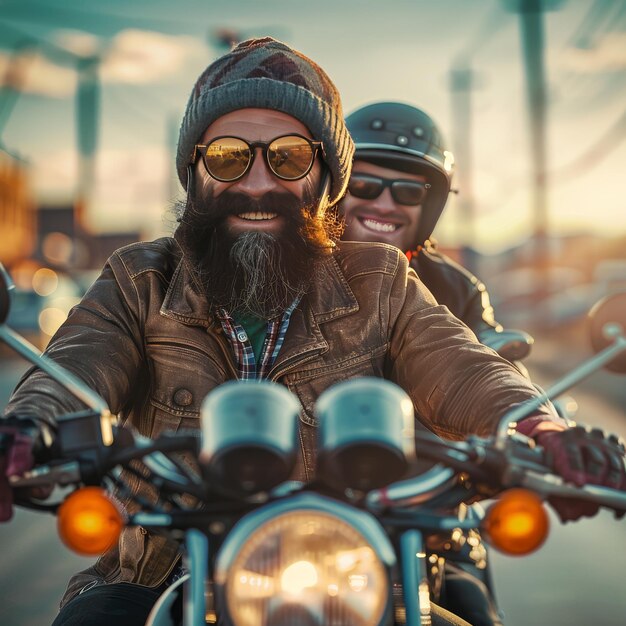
(362,522)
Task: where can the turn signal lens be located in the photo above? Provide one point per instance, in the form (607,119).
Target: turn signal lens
(517,523)
(88,522)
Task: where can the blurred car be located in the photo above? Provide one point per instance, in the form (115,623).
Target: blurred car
(37,316)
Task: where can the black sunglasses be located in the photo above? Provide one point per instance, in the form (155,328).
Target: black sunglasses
(227,159)
(407,192)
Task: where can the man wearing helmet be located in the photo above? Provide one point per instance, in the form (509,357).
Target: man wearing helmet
(398,188)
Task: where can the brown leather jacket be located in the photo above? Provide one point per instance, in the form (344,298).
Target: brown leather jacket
(457,288)
(144,339)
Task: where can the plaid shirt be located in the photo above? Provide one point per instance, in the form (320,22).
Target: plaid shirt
(247,367)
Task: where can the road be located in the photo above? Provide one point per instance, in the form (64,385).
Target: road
(35,564)
(575,579)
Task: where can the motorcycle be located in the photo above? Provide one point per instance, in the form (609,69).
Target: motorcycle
(359,546)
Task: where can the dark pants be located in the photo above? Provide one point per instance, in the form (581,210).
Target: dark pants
(465,595)
(124,604)
(121,604)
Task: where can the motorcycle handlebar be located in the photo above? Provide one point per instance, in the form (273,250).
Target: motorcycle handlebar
(48,475)
(516,464)
(95,461)
(552,485)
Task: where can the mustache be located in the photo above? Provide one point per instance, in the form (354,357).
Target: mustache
(231,203)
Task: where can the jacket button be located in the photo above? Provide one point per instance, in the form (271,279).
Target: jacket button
(183,397)
(142,530)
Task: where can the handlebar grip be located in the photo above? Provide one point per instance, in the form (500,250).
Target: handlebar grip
(6,440)
(553,485)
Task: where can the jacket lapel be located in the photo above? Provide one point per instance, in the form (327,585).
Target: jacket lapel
(329,298)
(184,300)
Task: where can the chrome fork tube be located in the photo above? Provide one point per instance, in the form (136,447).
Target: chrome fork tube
(414,579)
(197,564)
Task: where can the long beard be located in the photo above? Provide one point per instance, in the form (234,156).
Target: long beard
(254,272)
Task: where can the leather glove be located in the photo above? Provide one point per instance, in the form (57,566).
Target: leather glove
(19,439)
(582,456)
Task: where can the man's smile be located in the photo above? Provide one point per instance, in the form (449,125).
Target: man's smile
(267,221)
(377,225)
(257,215)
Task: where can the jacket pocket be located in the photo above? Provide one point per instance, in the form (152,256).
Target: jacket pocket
(309,383)
(181,377)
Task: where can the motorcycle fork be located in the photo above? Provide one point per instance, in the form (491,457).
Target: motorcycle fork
(197,564)
(415,579)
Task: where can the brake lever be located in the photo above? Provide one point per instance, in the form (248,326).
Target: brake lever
(48,475)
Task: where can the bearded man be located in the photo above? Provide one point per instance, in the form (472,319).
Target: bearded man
(254,285)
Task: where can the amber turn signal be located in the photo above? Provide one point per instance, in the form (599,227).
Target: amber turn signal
(89,522)
(517,523)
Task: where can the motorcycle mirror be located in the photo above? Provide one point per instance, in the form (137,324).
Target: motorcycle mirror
(366,434)
(512,345)
(6,292)
(607,326)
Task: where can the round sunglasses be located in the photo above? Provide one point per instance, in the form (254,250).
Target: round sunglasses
(407,192)
(227,159)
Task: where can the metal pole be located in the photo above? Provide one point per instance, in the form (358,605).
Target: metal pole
(531,23)
(461,84)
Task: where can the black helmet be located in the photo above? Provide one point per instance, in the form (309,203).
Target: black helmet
(402,137)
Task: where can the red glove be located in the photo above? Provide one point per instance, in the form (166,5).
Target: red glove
(16,457)
(581,456)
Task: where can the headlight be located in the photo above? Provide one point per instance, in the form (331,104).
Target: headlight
(309,561)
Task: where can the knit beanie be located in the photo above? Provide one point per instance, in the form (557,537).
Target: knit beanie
(268,74)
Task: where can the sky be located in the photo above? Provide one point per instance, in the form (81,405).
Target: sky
(152,51)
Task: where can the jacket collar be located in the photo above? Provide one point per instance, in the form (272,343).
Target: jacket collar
(184,300)
(329,298)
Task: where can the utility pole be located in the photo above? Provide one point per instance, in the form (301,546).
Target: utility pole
(14,76)
(171,132)
(532,36)
(87,120)
(531,24)
(461,85)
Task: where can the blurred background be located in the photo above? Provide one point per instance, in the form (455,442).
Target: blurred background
(530,95)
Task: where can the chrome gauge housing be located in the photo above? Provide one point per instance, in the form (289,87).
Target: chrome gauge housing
(307,560)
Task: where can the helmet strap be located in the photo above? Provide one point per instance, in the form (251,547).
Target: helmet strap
(410,254)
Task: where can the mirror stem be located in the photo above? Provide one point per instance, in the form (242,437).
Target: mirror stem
(584,370)
(73,384)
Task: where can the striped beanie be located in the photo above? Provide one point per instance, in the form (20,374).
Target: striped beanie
(267,74)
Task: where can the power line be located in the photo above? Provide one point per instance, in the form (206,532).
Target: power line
(54,51)
(60,17)
(599,12)
(491,25)
(591,158)
(595,154)
(587,89)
